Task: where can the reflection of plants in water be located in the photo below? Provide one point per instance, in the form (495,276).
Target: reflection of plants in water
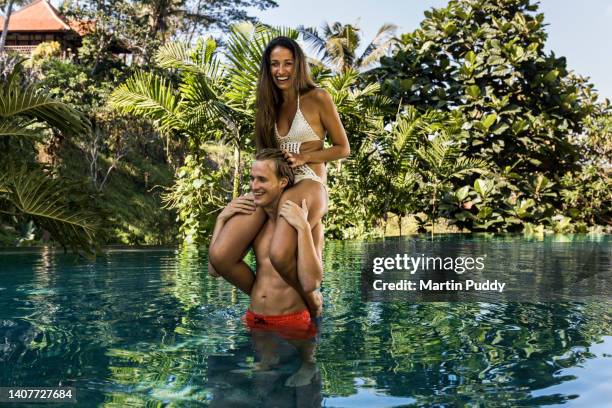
(448,352)
(341,305)
(469,349)
(206,325)
(187,279)
(161,373)
(183,277)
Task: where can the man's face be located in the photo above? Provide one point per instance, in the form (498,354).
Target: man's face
(265,184)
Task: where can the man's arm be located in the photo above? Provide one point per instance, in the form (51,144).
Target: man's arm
(309,265)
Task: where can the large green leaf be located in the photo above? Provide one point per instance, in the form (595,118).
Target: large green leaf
(30,103)
(16,127)
(150,96)
(52,204)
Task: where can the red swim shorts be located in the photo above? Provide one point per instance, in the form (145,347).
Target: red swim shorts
(292,326)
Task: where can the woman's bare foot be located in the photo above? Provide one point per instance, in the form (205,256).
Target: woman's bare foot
(303,376)
(266,363)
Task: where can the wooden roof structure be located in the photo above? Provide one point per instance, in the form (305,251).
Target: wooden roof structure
(40,22)
(38,16)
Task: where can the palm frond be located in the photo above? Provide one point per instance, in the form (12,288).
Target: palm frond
(17,127)
(379,46)
(30,103)
(150,96)
(311,36)
(199,60)
(202,105)
(45,200)
(174,55)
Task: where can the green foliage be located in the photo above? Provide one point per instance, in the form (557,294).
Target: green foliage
(30,192)
(196,196)
(27,104)
(469,120)
(46,50)
(73,83)
(351,197)
(521,107)
(52,204)
(587,197)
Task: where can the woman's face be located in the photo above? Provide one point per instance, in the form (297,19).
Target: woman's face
(282,66)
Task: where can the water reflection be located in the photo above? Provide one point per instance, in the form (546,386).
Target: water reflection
(149,328)
(280,373)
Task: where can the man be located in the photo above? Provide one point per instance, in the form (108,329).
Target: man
(274,303)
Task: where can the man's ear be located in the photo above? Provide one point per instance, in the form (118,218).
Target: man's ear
(283,182)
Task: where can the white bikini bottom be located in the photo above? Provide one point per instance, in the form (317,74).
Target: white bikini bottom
(304,172)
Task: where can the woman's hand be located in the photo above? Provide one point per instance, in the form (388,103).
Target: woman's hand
(294,159)
(241,205)
(295,215)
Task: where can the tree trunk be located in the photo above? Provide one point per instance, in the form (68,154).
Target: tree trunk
(194,24)
(400,224)
(433,210)
(384,226)
(7,17)
(236,186)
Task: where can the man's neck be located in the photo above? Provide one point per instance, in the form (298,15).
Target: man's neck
(272,209)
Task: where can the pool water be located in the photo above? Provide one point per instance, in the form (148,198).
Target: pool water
(148,327)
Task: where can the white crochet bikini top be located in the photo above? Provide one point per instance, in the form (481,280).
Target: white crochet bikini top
(299,132)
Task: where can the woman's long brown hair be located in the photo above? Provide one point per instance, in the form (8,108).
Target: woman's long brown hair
(270,98)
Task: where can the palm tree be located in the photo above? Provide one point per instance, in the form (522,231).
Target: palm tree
(30,191)
(211,97)
(338,44)
(397,167)
(182,112)
(440,157)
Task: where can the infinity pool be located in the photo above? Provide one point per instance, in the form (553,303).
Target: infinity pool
(147,327)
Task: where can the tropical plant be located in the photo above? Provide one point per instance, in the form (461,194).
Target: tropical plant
(338,43)
(29,191)
(213,101)
(351,199)
(523,109)
(442,158)
(392,169)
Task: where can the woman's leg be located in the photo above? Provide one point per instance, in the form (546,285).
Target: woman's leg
(229,248)
(283,248)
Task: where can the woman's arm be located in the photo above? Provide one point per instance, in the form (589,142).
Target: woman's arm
(309,265)
(330,120)
(241,205)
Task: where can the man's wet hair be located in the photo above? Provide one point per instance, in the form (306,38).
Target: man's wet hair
(283,169)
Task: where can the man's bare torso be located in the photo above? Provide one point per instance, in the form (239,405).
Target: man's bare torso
(270,294)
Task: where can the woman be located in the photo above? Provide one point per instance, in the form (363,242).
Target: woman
(294,115)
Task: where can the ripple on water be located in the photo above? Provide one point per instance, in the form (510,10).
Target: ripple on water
(139,328)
